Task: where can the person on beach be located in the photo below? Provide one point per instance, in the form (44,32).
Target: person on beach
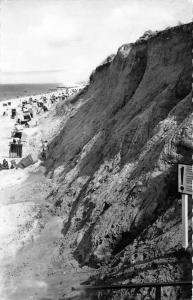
(43,154)
(45,145)
(5,164)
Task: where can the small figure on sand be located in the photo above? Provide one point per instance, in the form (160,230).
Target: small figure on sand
(46,145)
(4,165)
(43,154)
(45,149)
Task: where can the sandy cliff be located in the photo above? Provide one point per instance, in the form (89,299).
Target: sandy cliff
(114,164)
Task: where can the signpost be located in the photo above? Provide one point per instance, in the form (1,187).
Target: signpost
(185,187)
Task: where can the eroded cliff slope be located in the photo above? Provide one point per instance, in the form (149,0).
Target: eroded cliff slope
(114,164)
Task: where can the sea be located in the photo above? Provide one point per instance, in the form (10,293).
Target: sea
(12,91)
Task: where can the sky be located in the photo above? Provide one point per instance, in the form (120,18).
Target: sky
(62,41)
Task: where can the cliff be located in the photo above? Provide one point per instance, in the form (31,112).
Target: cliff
(114,164)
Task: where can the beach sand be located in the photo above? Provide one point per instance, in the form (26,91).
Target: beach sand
(31,266)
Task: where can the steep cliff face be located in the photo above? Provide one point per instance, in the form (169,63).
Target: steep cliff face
(114,164)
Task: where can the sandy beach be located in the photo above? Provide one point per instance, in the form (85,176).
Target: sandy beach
(30,264)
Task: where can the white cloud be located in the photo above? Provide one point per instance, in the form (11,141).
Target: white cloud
(139,17)
(54,29)
(77,35)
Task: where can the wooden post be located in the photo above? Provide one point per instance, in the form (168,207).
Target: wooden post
(184,221)
(158,293)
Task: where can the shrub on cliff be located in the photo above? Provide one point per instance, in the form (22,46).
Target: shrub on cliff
(147,34)
(104,64)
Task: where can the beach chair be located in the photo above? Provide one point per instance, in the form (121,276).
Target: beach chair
(13,113)
(15,150)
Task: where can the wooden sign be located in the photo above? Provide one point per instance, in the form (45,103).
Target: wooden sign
(185,179)
(185,187)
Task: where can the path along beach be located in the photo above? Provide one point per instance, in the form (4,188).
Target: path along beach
(30,234)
